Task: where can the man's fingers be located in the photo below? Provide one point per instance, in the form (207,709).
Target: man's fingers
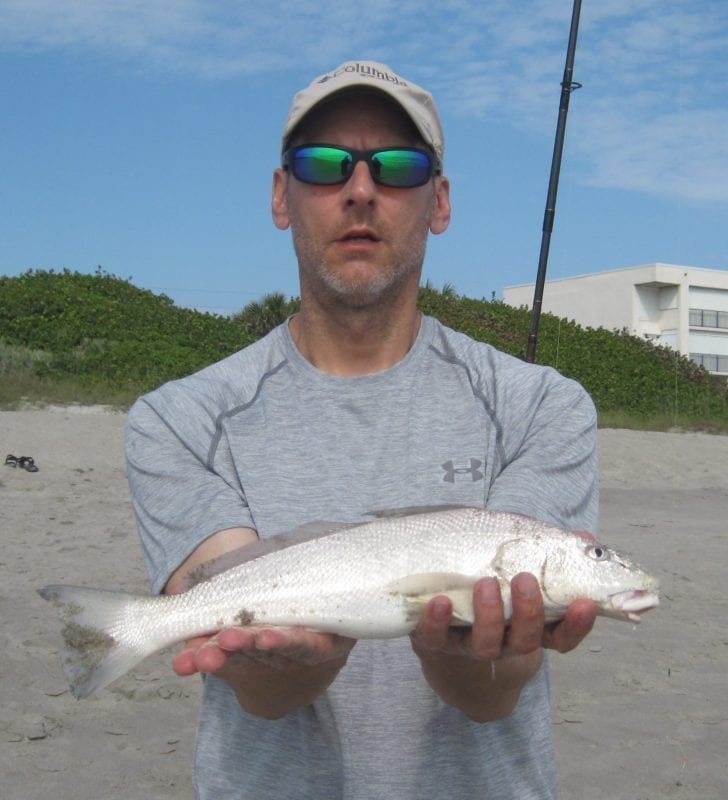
(527,621)
(236,639)
(210,658)
(282,647)
(434,627)
(577,623)
(185,662)
(486,639)
(210,653)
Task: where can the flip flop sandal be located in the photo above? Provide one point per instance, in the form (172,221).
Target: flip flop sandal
(27,463)
(11,460)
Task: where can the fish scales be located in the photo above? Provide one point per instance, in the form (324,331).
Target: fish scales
(369,580)
(341,582)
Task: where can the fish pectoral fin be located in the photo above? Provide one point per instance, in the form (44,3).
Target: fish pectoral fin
(418,590)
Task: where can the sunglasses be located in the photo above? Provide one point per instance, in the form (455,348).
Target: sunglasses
(328,165)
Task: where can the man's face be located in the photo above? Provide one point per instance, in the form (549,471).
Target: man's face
(358,243)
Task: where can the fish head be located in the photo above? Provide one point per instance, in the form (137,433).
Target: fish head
(569,566)
(580,568)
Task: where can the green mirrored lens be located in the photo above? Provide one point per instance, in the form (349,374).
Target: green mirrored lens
(403,168)
(322,165)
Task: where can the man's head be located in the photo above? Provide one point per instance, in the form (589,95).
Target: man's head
(360,186)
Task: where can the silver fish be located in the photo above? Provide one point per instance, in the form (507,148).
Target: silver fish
(369,580)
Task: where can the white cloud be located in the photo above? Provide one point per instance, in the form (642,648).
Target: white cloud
(211,39)
(671,154)
(655,116)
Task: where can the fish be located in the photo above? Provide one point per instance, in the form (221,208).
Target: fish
(367,580)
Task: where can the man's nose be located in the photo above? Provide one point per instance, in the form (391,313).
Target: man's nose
(360,187)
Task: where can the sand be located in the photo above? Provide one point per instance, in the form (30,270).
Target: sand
(640,713)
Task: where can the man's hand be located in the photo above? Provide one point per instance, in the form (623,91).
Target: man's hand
(278,648)
(272,670)
(482,670)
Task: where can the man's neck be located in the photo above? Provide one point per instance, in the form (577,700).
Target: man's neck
(354,342)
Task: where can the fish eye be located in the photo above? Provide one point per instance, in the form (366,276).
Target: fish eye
(597,552)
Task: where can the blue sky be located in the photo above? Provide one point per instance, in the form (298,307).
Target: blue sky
(141,135)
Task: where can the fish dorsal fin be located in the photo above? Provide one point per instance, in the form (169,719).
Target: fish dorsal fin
(262,547)
(419,589)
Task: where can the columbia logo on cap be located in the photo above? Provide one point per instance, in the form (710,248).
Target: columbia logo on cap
(363,69)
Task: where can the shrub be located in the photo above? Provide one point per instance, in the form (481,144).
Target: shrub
(101,328)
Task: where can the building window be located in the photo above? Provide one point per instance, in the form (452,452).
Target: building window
(711,362)
(705,318)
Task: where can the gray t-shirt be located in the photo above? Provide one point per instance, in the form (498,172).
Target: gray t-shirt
(263,439)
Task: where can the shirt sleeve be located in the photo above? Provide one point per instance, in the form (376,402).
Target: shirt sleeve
(178,499)
(547,453)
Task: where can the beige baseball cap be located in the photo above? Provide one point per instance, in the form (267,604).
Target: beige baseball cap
(417,103)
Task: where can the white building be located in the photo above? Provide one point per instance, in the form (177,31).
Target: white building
(685,308)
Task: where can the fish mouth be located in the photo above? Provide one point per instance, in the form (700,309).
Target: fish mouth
(632,603)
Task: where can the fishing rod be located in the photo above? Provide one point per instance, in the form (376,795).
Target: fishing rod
(567,87)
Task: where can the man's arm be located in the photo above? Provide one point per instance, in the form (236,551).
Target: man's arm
(482,670)
(272,671)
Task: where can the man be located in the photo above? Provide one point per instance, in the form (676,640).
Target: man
(360,403)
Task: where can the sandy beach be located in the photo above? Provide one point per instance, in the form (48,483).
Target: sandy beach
(640,712)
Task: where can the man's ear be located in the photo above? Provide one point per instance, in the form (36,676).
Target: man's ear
(279,199)
(441,213)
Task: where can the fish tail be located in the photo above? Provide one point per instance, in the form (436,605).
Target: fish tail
(97,647)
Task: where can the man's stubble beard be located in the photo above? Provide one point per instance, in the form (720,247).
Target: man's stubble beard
(340,290)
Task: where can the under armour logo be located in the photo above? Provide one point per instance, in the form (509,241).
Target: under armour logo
(474,469)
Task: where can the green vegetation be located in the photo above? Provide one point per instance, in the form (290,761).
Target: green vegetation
(258,318)
(70,337)
(633,383)
(102,335)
